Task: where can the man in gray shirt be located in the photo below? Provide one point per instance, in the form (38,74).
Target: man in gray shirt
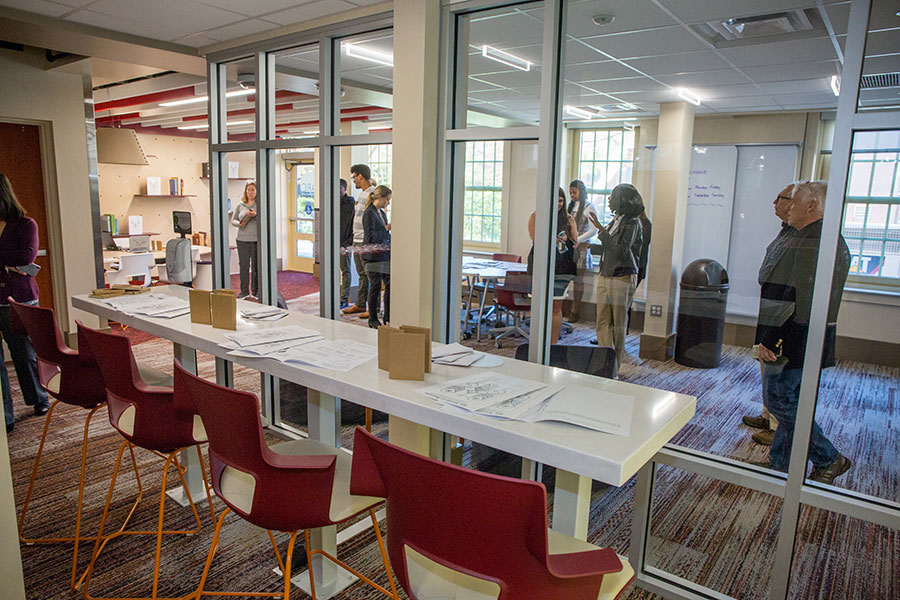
(360,175)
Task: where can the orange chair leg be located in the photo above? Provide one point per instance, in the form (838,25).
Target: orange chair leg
(369,420)
(309,565)
(287,570)
(384,556)
(343,565)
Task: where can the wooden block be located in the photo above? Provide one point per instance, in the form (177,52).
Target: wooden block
(224,309)
(200,306)
(406,356)
(384,348)
(426,331)
(107,293)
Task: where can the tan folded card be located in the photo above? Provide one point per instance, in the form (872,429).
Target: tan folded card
(426,350)
(107,293)
(224,309)
(200,306)
(406,356)
(384,350)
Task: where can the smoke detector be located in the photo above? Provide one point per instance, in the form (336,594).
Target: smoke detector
(247,81)
(603,20)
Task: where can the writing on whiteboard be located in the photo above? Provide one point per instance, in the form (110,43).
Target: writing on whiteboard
(702,191)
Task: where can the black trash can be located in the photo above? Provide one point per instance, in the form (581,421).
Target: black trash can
(701,315)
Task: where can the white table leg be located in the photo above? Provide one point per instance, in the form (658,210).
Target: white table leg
(571,504)
(323,419)
(187,358)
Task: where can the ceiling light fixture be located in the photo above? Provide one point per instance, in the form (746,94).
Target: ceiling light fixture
(380,127)
(376,56)
(628,106)
(579,112)
(628,126)
(603,20)
(836,85)
(197,99)
(506,58)
(311,132)
(206,125)
(689,96)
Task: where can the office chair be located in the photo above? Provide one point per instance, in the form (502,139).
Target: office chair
(592,360)
(145,416)
(513,296)
(458,533)
(304,484)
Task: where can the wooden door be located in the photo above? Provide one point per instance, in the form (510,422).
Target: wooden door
(301,215)
(20,160)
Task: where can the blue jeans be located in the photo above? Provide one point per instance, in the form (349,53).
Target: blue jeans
(781,389)
(25,362)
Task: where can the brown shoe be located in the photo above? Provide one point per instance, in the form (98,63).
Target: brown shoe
(827,473)
(764,437)
(758,422)
(353,309)
(364,315)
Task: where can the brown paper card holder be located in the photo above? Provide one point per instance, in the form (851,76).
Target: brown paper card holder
(201,306)
(406,356)
(426,346)
(224,309)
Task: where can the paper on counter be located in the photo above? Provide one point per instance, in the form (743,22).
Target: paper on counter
(336,355)
(589,407)
(444,350)
(270,335)
(479,391)
(151,305)
(263,313)
(267,350)
(520,406)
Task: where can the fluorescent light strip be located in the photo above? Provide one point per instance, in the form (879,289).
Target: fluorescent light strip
(689,96)
(357,51)
(198,99)
(579,112)
(628,126)
(506,58)
(206,125)
(836,85)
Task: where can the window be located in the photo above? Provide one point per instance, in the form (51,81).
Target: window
(604,161)
(483,193)
(871,224)
(380,163)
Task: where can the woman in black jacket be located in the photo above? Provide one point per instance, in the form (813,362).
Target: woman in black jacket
(620,260)
(377,253)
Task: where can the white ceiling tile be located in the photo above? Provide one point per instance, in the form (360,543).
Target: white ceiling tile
(839,16)
(597,71)
(748,102)
(651,42)
(879,96)
(239,29)
(508,30)
(821,84)
(308,12)
(881,64)
(679,63)
(255,8)
(627,18)
(39,7)
(709,79)
(883,42)
(72,3)
(481,66)
(476,84)
(777,72)
(630,84)
(779,53)
(195,40)
(181,17)
(820,100)
(884,15)
(692,11)
(513,78)
(731,91)
(113,23)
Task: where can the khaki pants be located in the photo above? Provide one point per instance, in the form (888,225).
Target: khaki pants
(614,295)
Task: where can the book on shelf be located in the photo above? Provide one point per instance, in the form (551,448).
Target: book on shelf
(173,186)
(154,186)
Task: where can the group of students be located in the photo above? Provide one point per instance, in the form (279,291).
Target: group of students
(366,234)
(624,243)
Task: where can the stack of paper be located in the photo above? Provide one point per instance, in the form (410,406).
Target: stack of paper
(263,313)
(267,342)
(459,356)
(299,345)
(150,305)
(501,396)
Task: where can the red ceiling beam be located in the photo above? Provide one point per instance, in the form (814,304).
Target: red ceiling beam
(166,96)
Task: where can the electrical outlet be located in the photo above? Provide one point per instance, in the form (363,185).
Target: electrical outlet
(656,310)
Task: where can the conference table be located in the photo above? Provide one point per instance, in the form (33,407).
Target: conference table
(487,271)
(580,455)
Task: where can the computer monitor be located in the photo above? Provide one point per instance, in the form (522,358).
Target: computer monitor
(182,222)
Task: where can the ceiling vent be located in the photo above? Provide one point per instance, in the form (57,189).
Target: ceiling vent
(880,81)
(739,28)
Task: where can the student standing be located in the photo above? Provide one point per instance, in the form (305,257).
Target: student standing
(244,218)
(360,175)
(579,208)
(18,247)
(348,209)
(377,253)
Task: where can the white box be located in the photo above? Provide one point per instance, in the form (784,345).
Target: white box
(154,186)
(135,224)
(234,170)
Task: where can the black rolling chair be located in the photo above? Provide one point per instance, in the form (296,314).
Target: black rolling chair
(593,360)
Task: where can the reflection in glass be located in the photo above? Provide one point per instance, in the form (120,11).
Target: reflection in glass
(879,85)
(367,83)
(296,92)
(240,100)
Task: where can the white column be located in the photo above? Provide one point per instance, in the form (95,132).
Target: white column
(670,183)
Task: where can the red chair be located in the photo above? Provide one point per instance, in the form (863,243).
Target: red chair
(146,417)
(304,485)
(69,377)
(506,257)
(452,529)
(513,296)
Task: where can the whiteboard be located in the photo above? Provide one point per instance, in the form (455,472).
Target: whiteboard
(710,195)
(762,172)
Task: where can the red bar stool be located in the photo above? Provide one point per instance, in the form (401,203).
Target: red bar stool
(304,486)
(454,532)
(71,378)
(146,417)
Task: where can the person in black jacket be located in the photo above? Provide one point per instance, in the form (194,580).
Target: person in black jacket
(620,260)
(785,305)
(377,253)
(348,208)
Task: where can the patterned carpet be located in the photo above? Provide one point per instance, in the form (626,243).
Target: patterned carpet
(706,531)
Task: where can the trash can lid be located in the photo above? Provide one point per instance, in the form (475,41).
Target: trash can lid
(704,274)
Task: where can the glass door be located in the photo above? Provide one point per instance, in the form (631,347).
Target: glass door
(302,216)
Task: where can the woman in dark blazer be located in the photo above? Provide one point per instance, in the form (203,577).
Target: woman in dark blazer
(377,256)
(18,247)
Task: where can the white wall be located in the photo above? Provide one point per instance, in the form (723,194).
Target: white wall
(33,94)
(520,196)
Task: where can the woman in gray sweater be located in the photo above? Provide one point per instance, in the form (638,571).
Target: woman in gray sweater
(244,218)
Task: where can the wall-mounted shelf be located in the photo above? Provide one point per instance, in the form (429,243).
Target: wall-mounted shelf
(165,195)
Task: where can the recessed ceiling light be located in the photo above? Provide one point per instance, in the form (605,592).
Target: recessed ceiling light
(506,58)
(579,112)
(836,85)
(689,96)
(197,99)
(603,20)
(365,53)
(204,126)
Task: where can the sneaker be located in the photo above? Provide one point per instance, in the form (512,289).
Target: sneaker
(827,473)
(344,305)
(757,422)
(594,341)
(353,309)
(764,437)
(41,409)
(364,315)
(765,464)
(241,296)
